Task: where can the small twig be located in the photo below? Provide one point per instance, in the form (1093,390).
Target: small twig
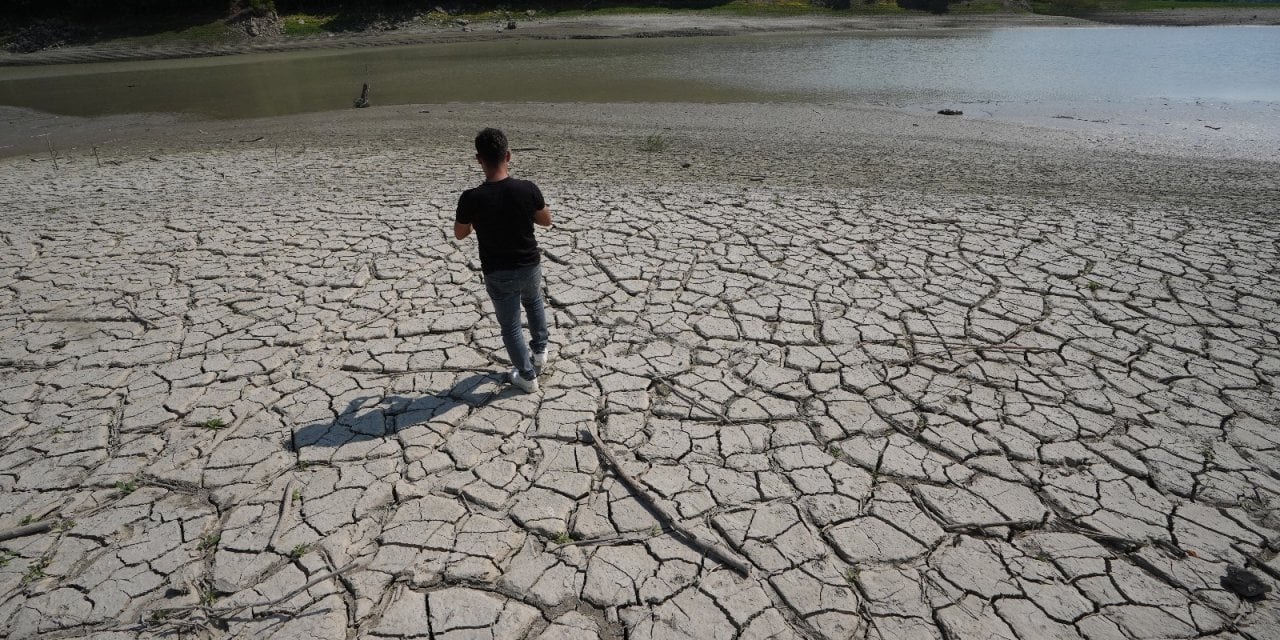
(286,597)
(211,612)
(53,155)
(609,540)
(694,403)
(952,351)
(970,526)
(428,370)
(96,160)
(285,504)
(707,548)
(146,324)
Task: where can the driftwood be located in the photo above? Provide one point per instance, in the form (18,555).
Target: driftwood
(28,530)
(689,536)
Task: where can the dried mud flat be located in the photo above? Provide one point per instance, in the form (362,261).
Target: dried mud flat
(943,386)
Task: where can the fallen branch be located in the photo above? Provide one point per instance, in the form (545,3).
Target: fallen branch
(285,503)
(229,611)
(124,304)
(27,530)
(971,526)
(952,351)
(707,548)
(164,616)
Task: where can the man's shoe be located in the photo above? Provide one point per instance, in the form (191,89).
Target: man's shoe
(541,358)
(529,386)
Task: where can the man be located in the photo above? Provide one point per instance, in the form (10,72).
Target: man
(503,211)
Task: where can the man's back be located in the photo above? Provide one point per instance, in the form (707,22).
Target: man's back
(502,213)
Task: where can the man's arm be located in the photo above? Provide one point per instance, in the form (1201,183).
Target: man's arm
(542,217)
(461,231)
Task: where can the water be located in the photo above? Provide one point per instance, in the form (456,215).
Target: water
(1119,65)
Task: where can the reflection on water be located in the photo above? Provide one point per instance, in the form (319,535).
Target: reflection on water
(1123,64)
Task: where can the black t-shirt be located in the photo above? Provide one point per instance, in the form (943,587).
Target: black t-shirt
(502,213)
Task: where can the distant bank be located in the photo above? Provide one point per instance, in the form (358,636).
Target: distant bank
(292,32)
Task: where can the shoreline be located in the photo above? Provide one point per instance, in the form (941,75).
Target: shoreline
(634,26)
(779,144)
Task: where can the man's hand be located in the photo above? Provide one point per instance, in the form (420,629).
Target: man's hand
(542,217)
(461,231)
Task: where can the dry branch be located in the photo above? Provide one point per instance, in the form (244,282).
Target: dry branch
(706,547)
(28,530)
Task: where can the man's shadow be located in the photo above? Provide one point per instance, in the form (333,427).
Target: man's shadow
(361,422)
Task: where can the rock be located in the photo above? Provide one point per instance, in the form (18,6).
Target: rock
(950,112)
(1244,583)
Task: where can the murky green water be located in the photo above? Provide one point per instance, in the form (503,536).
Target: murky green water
(1124,64)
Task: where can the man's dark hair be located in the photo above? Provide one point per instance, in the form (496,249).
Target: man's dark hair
(491,145)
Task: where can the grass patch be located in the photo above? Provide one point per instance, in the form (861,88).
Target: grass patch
(299,551)
(306,24)
(216,32)
(654,144)
(126,488)
(214,424)
(36,570)
(209,542)
(562,538)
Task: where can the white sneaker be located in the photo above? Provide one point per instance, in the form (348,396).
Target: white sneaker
(529,386)
(540,359)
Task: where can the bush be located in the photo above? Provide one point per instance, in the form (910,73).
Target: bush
(255,7)
(1073,7)
(932,6)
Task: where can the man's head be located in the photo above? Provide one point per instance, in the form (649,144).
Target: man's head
(491,148)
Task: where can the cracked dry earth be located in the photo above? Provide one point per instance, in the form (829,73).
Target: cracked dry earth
(915,415)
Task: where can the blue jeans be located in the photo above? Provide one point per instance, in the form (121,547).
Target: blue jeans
(509,290)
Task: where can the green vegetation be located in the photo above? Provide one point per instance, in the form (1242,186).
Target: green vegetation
(209,542)
(306,24)
(126,488)
(217,32)
(654,144)
(5,557)
(31,25)
(562,538)
(36,570)
(299,551)
(214,423)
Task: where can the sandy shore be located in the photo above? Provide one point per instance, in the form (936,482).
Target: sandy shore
(922,375)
